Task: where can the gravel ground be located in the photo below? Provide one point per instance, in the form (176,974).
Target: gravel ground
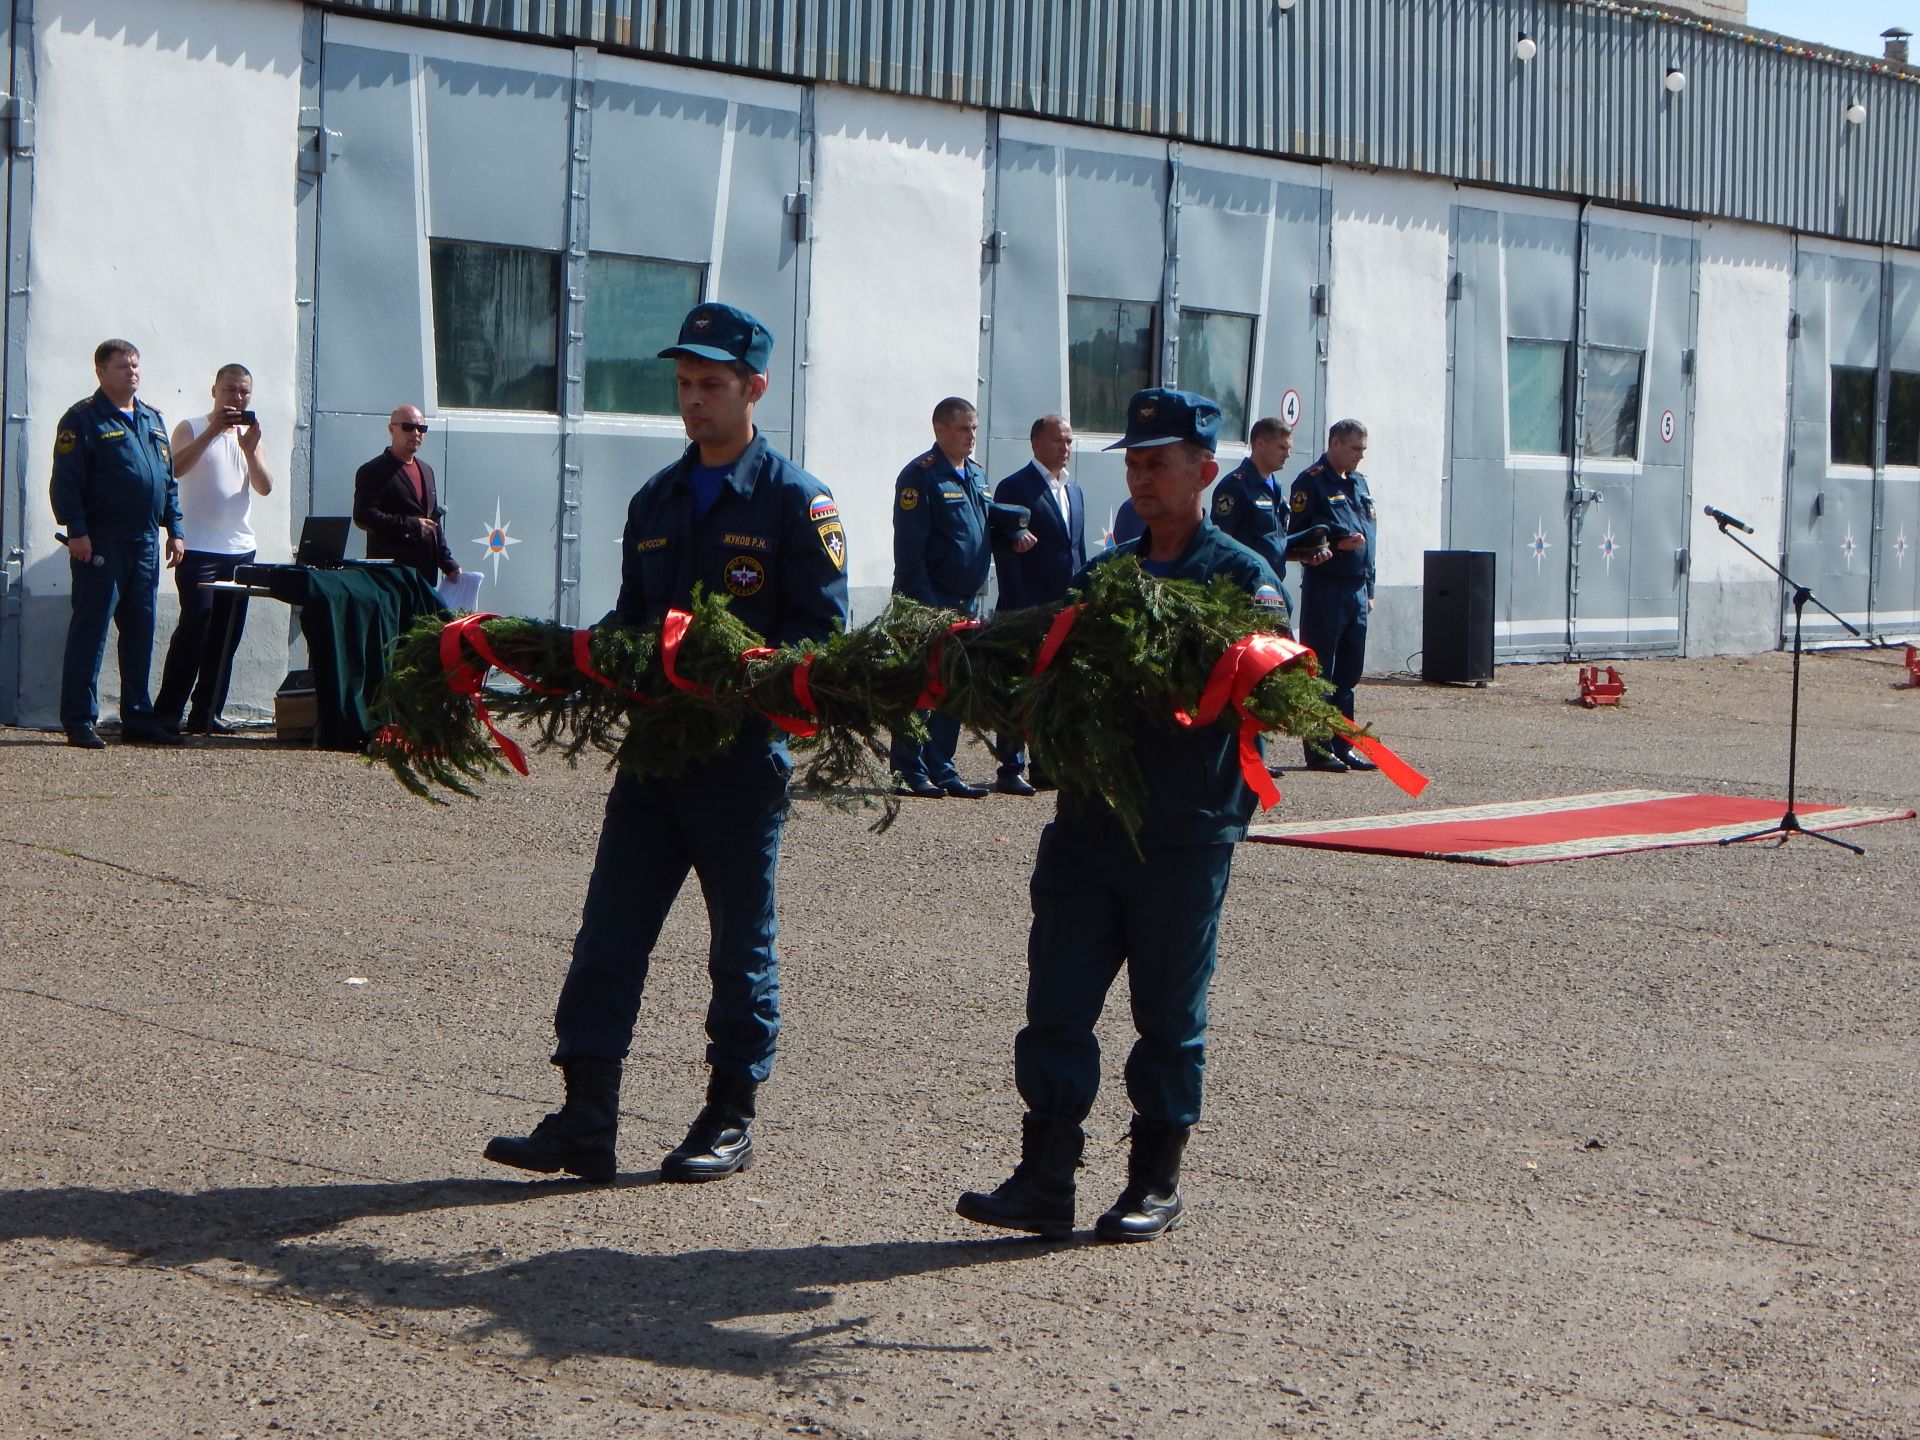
(1619,1147)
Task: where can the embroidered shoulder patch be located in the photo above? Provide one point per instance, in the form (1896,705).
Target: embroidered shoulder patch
(1299,501)
(833,540)
(909,498)
(822,508)
(64,442)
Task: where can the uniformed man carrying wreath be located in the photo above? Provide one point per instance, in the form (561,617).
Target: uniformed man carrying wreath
(735,516)
(1100,905)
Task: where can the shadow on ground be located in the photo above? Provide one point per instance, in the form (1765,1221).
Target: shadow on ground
(676,1309)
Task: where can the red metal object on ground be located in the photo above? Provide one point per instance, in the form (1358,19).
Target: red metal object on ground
(1600,688)
(1913,667)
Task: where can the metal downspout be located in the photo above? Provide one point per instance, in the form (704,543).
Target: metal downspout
(19,224)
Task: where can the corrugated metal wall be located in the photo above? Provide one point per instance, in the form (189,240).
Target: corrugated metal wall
(1429,86)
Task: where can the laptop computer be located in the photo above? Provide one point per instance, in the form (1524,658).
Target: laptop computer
(323,542)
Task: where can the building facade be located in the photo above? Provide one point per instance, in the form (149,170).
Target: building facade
(1577,288)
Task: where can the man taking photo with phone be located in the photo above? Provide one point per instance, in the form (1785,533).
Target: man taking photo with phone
(216,459)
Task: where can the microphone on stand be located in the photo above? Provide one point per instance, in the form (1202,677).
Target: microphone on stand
(1720,517)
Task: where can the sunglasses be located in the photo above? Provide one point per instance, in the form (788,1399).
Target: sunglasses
(416,428)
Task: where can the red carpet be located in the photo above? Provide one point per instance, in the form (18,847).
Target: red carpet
(1573,827)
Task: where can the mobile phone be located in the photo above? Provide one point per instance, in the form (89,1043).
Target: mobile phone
(247,417)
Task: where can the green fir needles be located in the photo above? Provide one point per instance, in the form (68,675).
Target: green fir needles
(661,701)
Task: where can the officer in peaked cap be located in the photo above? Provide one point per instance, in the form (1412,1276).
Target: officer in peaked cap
(1100,906)
(733,515)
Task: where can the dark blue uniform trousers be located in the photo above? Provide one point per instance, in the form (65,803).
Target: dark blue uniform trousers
(1333,624)
(722,821)
(932,761)
(121,592)
(1098,906)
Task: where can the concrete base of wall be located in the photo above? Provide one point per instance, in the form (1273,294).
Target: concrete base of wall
(1734,617)
(258,667)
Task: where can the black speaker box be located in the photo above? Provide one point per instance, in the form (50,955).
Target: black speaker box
(1456,638)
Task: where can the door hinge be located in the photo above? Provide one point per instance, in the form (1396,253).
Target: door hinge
(798,204)
(1686,362)
(993,249)
(18,116)
(1793,325)
(1456,285)
(319,146)
(1320,299)
(1682,561)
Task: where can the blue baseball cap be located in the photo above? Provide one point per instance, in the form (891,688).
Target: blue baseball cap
(723,332)
(1168,417)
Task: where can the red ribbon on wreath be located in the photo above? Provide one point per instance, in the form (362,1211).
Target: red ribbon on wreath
(802,691)
(934,692)
(1235,675)
(583,662)
(464,679)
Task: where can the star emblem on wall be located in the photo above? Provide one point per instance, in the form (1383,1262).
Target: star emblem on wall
(1609,547)
(1900,549)
(1539,545)
(1847,548)
(496,540)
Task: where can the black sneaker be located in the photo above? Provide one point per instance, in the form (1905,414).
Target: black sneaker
(85,737)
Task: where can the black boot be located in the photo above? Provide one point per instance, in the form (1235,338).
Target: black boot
(578,1137)
(1038,1196)
(718,1144)
(1150,1205)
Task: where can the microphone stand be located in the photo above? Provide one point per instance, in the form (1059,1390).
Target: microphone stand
(1789,824)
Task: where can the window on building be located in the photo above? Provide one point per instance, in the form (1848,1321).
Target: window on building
(496,326)
(1216,360)
(1613,403)
(634,310)
(1850,415)
(1537,396)
(1110,346)
(1903,418)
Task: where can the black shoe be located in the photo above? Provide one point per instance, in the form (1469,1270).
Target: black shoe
(1150,1205)
(960,790)
(920,789)
(578,1137)
(1354,760)
(1038,1196)
(215,726)
(1014,785)
(154,735)
(1325,760)
(85,737)
(718,1143)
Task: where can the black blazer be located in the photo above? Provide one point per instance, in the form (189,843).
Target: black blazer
(1040,576)
(384,507)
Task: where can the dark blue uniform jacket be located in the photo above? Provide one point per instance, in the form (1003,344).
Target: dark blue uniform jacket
(1321,497)
(1249,509)
(113,476)
(772,541)
(1195,792)
(941,522)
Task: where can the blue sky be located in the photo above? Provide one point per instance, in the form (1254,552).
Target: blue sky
(1845,24)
